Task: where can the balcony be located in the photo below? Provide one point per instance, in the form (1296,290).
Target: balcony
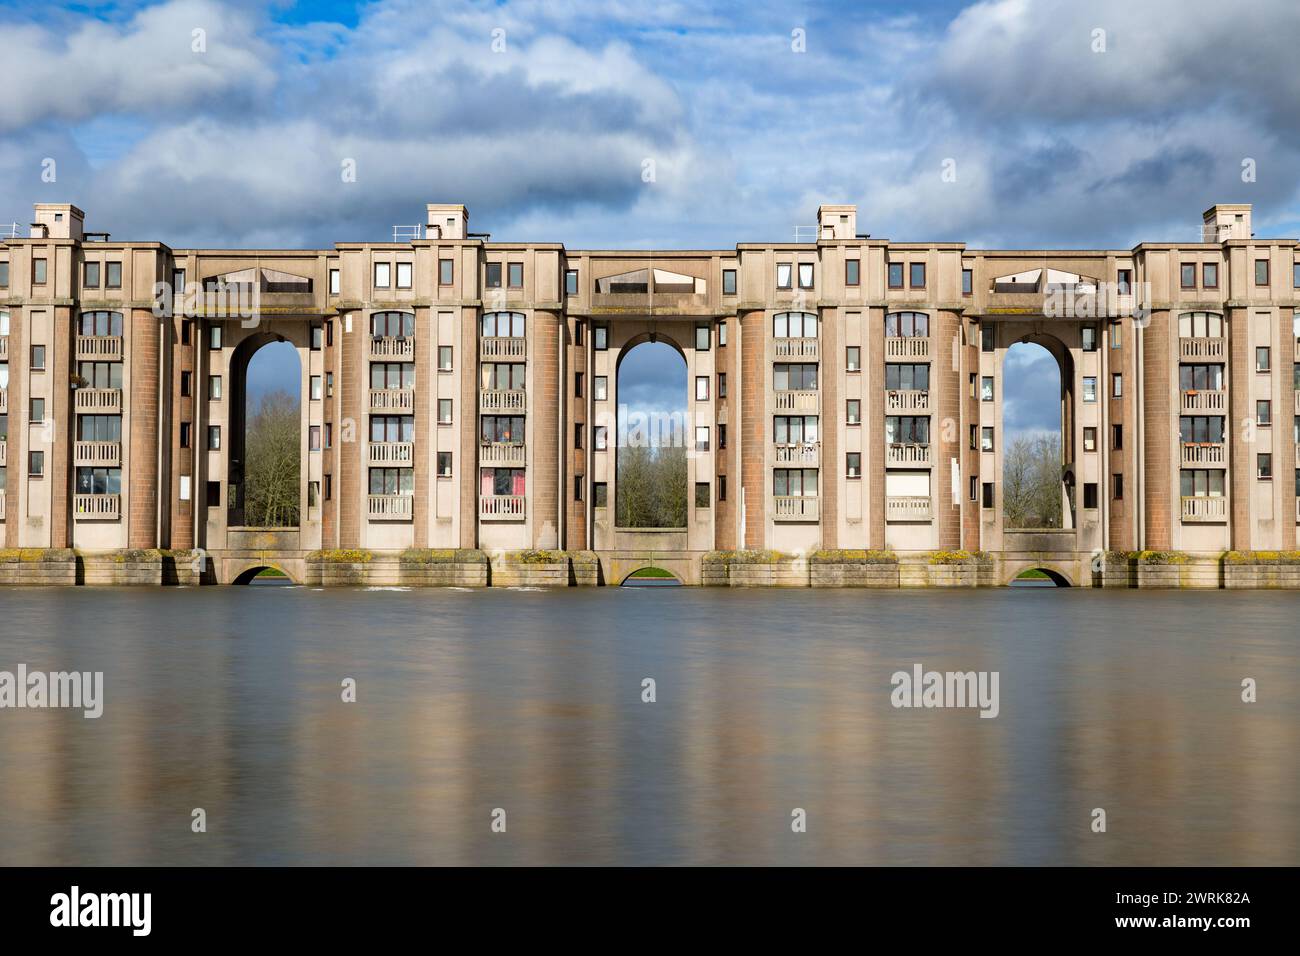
(392,347)
(392,452)
(501,507)
(785,508)
(797,349)
(496,400)
(1205,508)
(389,507)
(907,508)
(100,401)
(907,455)
(392,399)
(1205,454)
(1202,349)
(1206,400)
(493,348)
(99,348)
(797,401)
(97,507)
(805,453)
(906,347)
(907,400)
(501,453)
(103,454)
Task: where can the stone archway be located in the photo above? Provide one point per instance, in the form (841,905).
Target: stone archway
(237,438)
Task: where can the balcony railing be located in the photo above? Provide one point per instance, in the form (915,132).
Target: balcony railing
(104,507)
(103,401)
(906,454)
(392,452)
(1205,508)
(789,508)
(392,347)
(797,401)
(392,399)
(99,348)
(502,400)
(4,346)
(803,453)
(503,347)
(1190,349)
(907,347)
(390,507)
(907,508)
(796,348)
(907,400)
(102,453)
(501,507)
(1205,400)
(1204,453)
(501,453)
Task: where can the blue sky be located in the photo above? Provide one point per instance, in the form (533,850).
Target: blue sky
(540,115)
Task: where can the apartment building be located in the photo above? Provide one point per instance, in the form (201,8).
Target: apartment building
(844,392)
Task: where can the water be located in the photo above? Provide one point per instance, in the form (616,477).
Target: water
(229,699)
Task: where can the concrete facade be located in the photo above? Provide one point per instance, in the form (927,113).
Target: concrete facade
(1178,394)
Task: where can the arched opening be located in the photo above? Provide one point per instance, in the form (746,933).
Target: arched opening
(264,576)
(265,433)
(650,465)
(1040,578)
(1037,452)
(651,578)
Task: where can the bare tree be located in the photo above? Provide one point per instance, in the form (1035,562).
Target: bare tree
(1031,482)
(272,451)
(651,487)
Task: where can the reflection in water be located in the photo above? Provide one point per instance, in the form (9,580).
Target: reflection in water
(229,699)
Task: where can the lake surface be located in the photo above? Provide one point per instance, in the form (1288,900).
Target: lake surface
(229,699)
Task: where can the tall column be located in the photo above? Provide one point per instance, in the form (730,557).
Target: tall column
(353,391)
(832,415)
(546,466)
(751,426)
(944,342)
(16,448)
(970,403)
(727,520)
(144,342)
(1241,455)
(1158,425)
(426,397)
(469,379)
(575,525)
(873,370)
(1284,432)
(182,459)
(59,362)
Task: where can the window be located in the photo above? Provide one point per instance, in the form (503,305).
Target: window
(1089,338)
(600,494)
(600,388)
(571,282)
(214,388)
(444,411)
(1117,437)
(1264,412)
(986,388)
(1201,483)
(796,377)
(722,487)
(967,282)
(314,388)
(1090,494)
(1124,280)
(39,274)
(515,274)
(395,481)
(214,437)
(853,358)
(493,276)
(99,428)
(701,388)
(1264,466)
(987,495)
(1089,388)
(444,464)
(1210,275)
(986,438)
(783,275)
(4,275)
(503,376)
(908,377)
(1295,275)
(851,272)
(805,275)
(578,429)
(383,275)
(794,325)
(794,429)
(404,275)
(329,333)
(986,339)
(393,325)
(90,275)
(316,337)
(1261,272)
(213,494)
(794,482)
(35,464)
(577,331)
(577,385)
(1116,385)
(1200,429)
(577,487)
(1117,486)
(916,275)
(187,379)
(444,358)
(853,411)
(329,384)
(329,434)
(701,437)
(729,281)
(1089,438)
(853,464)
(1262,358)
(446,271)
(895,275)
(907,429)
(600,337)
(186,429)
(313,494)
(501,429)
(702,337)
(313,438)
(214,338)
(701,494)
(1200,325)
(334,282)
(113,275)
(35,411)
(722,385)
(974,439)
(1115,334)
(722,436)
(722,334)
(1187,275)
(503,325)
(38,358)
(1200,377)
(600,438)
